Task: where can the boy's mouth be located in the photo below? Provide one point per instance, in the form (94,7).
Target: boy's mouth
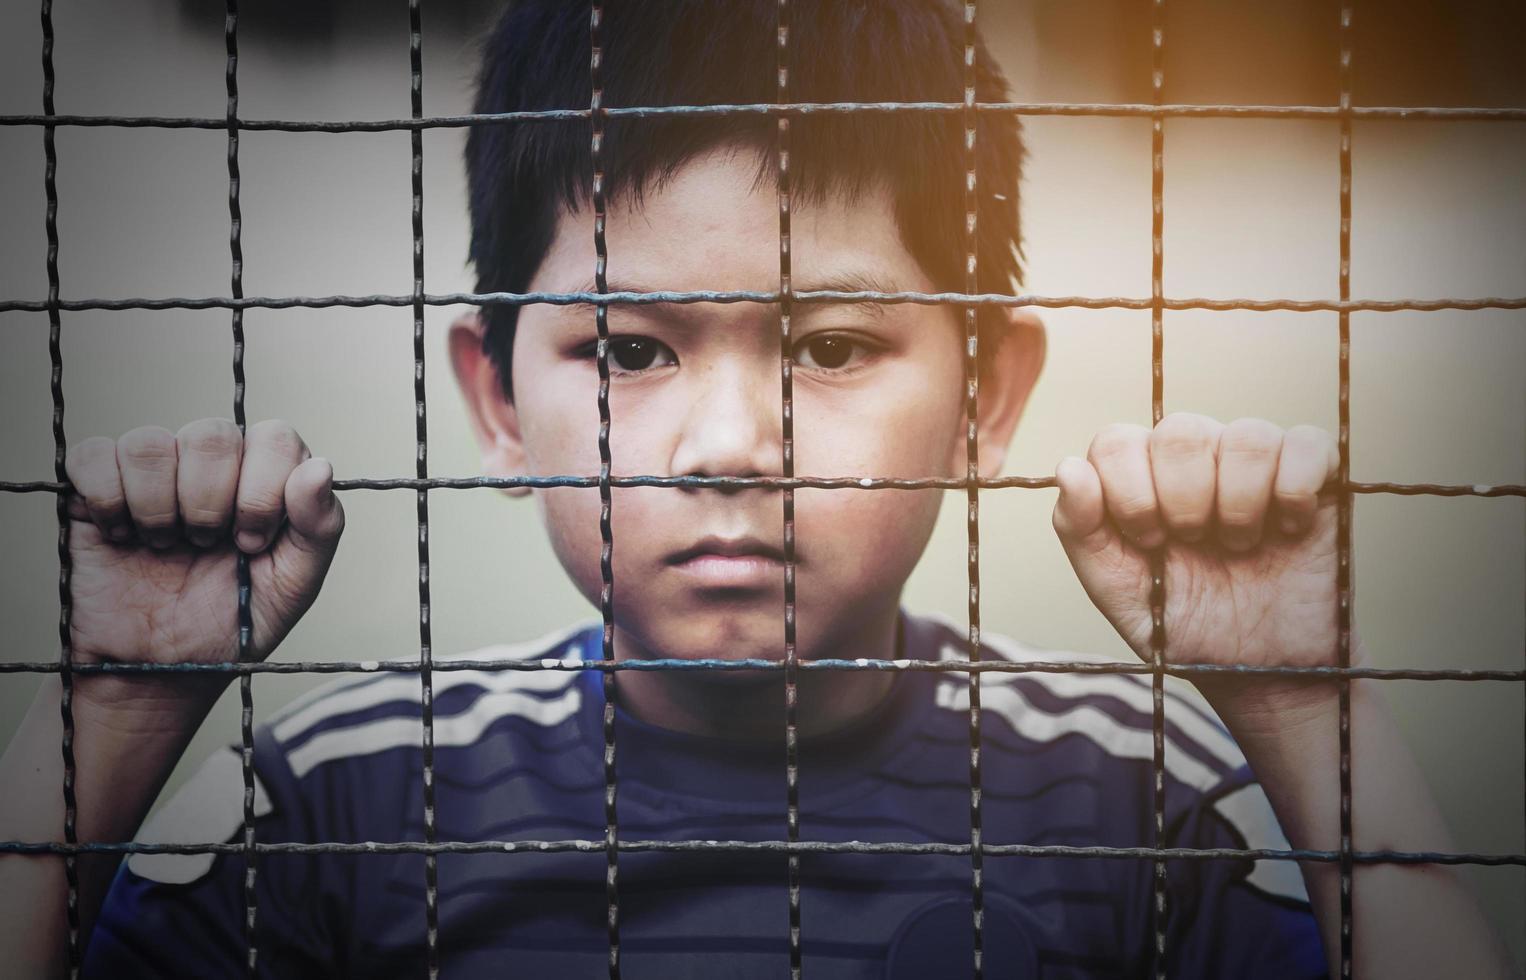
(730,563)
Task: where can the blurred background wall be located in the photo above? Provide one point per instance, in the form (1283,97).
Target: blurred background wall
(1250,211)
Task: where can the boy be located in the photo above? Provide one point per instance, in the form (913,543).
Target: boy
(884,755)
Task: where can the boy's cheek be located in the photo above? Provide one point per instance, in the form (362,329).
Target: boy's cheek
(571,518)
(870,539)
(905,437)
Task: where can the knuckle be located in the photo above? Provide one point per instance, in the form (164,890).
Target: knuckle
(1177,444)
(1134,507)
(278,438)
(1114,440)
(1180,434)
(154,519)
(1294,497)
(1309,437)
(106,500)
(1238,516)
(90,452)
(210,437)
(1251,437)
(1191,516)
(202,515)
(147,447)
(92,467)
(259,505)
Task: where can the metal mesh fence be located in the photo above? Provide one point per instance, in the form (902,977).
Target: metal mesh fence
(1343,113)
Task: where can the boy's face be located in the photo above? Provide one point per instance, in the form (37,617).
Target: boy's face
(695,390)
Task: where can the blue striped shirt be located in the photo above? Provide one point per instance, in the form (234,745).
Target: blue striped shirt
(1066,759)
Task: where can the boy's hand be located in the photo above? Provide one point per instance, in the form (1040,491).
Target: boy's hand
(1249,542)
(157,521)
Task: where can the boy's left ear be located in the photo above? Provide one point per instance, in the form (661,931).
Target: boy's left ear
(1008,374)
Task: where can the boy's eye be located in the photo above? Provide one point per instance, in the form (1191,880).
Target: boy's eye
(639,353)
(829,352)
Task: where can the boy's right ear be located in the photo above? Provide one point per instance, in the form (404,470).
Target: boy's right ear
(494,419)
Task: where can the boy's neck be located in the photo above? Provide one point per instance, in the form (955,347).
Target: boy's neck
(749,705)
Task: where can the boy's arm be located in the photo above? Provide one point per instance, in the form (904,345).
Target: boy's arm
(1408,920)
(1238,518)
(123,755)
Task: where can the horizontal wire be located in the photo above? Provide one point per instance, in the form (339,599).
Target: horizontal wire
(710,664)
(794,483)
(1103,109)
(768,296)
(49,848)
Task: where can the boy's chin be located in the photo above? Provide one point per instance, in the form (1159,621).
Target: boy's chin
(716,635)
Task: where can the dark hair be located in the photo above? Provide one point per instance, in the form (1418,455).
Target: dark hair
(682,52)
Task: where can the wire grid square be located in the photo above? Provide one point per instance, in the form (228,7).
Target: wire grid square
(1158,303)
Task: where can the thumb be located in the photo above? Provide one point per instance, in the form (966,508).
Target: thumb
(1115,575)
(1093,544)
(314,522)
(1080,515)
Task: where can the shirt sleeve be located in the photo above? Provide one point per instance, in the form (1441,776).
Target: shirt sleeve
(184,914)
(1233,917)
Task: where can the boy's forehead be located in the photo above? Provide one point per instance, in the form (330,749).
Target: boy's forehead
(714,225)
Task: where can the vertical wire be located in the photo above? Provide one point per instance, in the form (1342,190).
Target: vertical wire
(787,435)
(606,530)
(1157,410)
(1343,576)
(60,473)
(245,617)
(421,460)
(972,485)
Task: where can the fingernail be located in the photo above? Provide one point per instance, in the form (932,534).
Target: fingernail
(1191,535)
(327,469)
(1151,539)
(1289,525)
(119,533)
(249,542)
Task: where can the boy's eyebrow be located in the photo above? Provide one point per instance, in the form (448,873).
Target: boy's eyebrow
(845,282)
(852,281)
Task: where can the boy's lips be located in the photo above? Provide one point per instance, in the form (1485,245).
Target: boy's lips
(730,563)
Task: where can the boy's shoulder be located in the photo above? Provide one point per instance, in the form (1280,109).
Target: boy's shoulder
(1090,716)
(330,760)
(534,681)
(1047,695)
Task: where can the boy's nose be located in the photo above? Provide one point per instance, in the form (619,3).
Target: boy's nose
(731,427)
